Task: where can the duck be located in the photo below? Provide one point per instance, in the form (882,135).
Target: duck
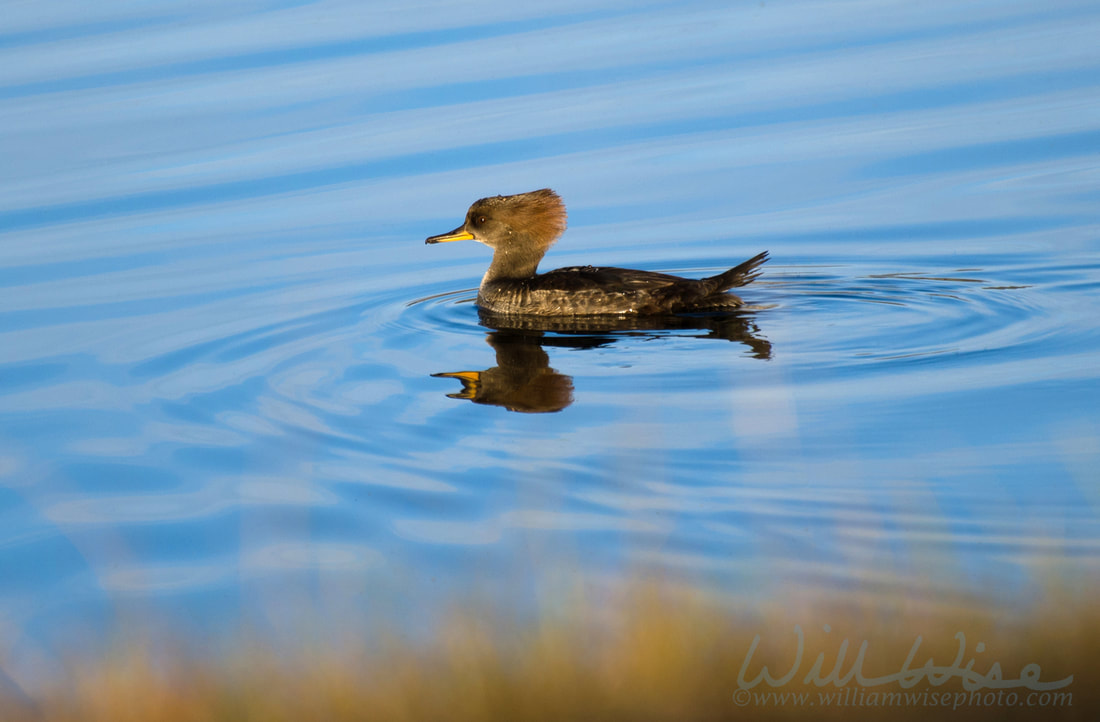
(520,229)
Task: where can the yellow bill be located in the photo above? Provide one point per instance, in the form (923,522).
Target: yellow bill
(458,234)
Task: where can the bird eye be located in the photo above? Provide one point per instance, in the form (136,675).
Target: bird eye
(480,220)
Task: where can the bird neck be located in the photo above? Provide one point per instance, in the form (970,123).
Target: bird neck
(514,261)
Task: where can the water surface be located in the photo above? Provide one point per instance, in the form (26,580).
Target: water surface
(222,337)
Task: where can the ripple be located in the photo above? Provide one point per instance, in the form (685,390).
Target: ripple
(903,316)
(875,316)
(447,311)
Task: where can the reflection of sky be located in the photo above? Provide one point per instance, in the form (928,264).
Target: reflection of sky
(709,95)
(215,384)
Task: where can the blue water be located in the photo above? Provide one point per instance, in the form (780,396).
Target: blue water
(221,331)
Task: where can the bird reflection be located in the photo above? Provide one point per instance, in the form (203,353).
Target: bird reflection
(523,379)
(722,325)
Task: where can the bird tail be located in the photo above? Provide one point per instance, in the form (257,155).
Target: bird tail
(739,275)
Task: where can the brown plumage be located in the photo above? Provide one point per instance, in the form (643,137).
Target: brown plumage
(520,228)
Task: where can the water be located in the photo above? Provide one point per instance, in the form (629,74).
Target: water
(222,337)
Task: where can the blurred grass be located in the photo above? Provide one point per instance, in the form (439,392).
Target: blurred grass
(646,652)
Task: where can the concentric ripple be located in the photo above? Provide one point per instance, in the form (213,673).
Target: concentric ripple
(444,312)
(845,314)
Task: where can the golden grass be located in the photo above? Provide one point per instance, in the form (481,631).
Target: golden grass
(649,653)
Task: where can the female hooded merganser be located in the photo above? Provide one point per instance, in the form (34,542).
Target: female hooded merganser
(522,227)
